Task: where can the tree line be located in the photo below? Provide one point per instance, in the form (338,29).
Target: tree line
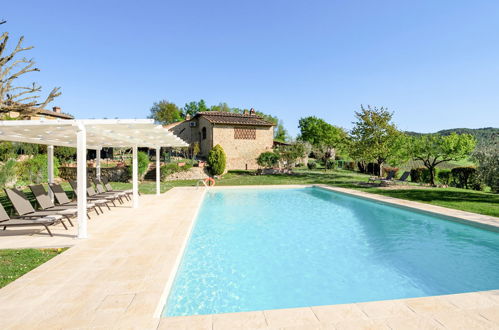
(375,138)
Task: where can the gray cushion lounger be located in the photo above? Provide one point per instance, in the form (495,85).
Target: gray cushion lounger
(46,203)
(6,221)
(389,177)
(25,210)
(404,177)
(108,186)
(91,197)
(62,198)
(101,190)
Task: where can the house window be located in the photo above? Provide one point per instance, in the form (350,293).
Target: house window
(204,133)
(245,133)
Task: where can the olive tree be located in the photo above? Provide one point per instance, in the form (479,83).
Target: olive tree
(487,157)
(325,139)
(434,149)
(375,138)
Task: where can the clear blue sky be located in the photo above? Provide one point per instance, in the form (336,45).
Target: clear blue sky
(434,63)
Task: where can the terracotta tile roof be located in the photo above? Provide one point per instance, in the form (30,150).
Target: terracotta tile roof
(218,117)
(51,113)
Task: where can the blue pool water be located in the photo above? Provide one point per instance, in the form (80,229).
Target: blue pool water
(257,249)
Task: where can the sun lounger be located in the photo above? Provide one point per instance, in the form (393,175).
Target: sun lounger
(389,177)
(403,178)
(46,203)
(62,198)
(101,190)
(25,210)
(108,186)
(6,221)
(91,194)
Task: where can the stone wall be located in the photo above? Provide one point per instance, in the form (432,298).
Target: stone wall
(242,153)
(206,143)
(191,134)
(115,174)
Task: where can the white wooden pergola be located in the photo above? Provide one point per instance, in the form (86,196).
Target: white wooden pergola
(92,134)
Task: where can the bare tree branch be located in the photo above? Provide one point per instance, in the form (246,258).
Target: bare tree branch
(22,99)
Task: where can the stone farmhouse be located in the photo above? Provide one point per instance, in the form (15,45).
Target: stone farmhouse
(242,136)
(55,113)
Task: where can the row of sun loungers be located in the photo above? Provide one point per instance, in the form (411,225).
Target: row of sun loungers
(390,177)
(51,214)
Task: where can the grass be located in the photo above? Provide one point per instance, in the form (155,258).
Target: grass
(455,198)
(16,263)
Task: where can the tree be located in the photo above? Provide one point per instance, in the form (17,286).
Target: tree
(289,154)
(65,154)
(217,160)
(280,133)
(222,107)
(165,112)
(22,99)
(268,159)
(196,149)
(434,149)
(487,157)
(325,138)
(194,107)
(375,138)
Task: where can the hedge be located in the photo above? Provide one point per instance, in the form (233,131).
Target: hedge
(466,177)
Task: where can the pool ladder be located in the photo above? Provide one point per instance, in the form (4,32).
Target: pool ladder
(204,183)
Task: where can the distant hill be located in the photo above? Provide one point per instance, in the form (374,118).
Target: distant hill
(483,135)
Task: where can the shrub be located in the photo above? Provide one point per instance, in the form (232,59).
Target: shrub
(329,164)
(168,169)
(388,169)
(65,154)
(7,172)
(312,164)
(7,151)
(421,175)
(35,169)
(268,159)
(465,177)
(142,164)
(444,176)
(349,166)
(216,160)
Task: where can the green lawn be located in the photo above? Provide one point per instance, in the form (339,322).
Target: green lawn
(461,199)
(16,263)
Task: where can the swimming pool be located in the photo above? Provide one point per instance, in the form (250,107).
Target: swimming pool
(258,249)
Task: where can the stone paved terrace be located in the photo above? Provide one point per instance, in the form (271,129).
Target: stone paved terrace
(117,277)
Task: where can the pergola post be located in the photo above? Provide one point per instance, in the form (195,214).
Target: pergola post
(81,159)
(158,172)
(135,178)
(97,163)
(50,169)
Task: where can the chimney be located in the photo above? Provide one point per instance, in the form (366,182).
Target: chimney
(245,112)
(57,109)
(252,112)
(187,117)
